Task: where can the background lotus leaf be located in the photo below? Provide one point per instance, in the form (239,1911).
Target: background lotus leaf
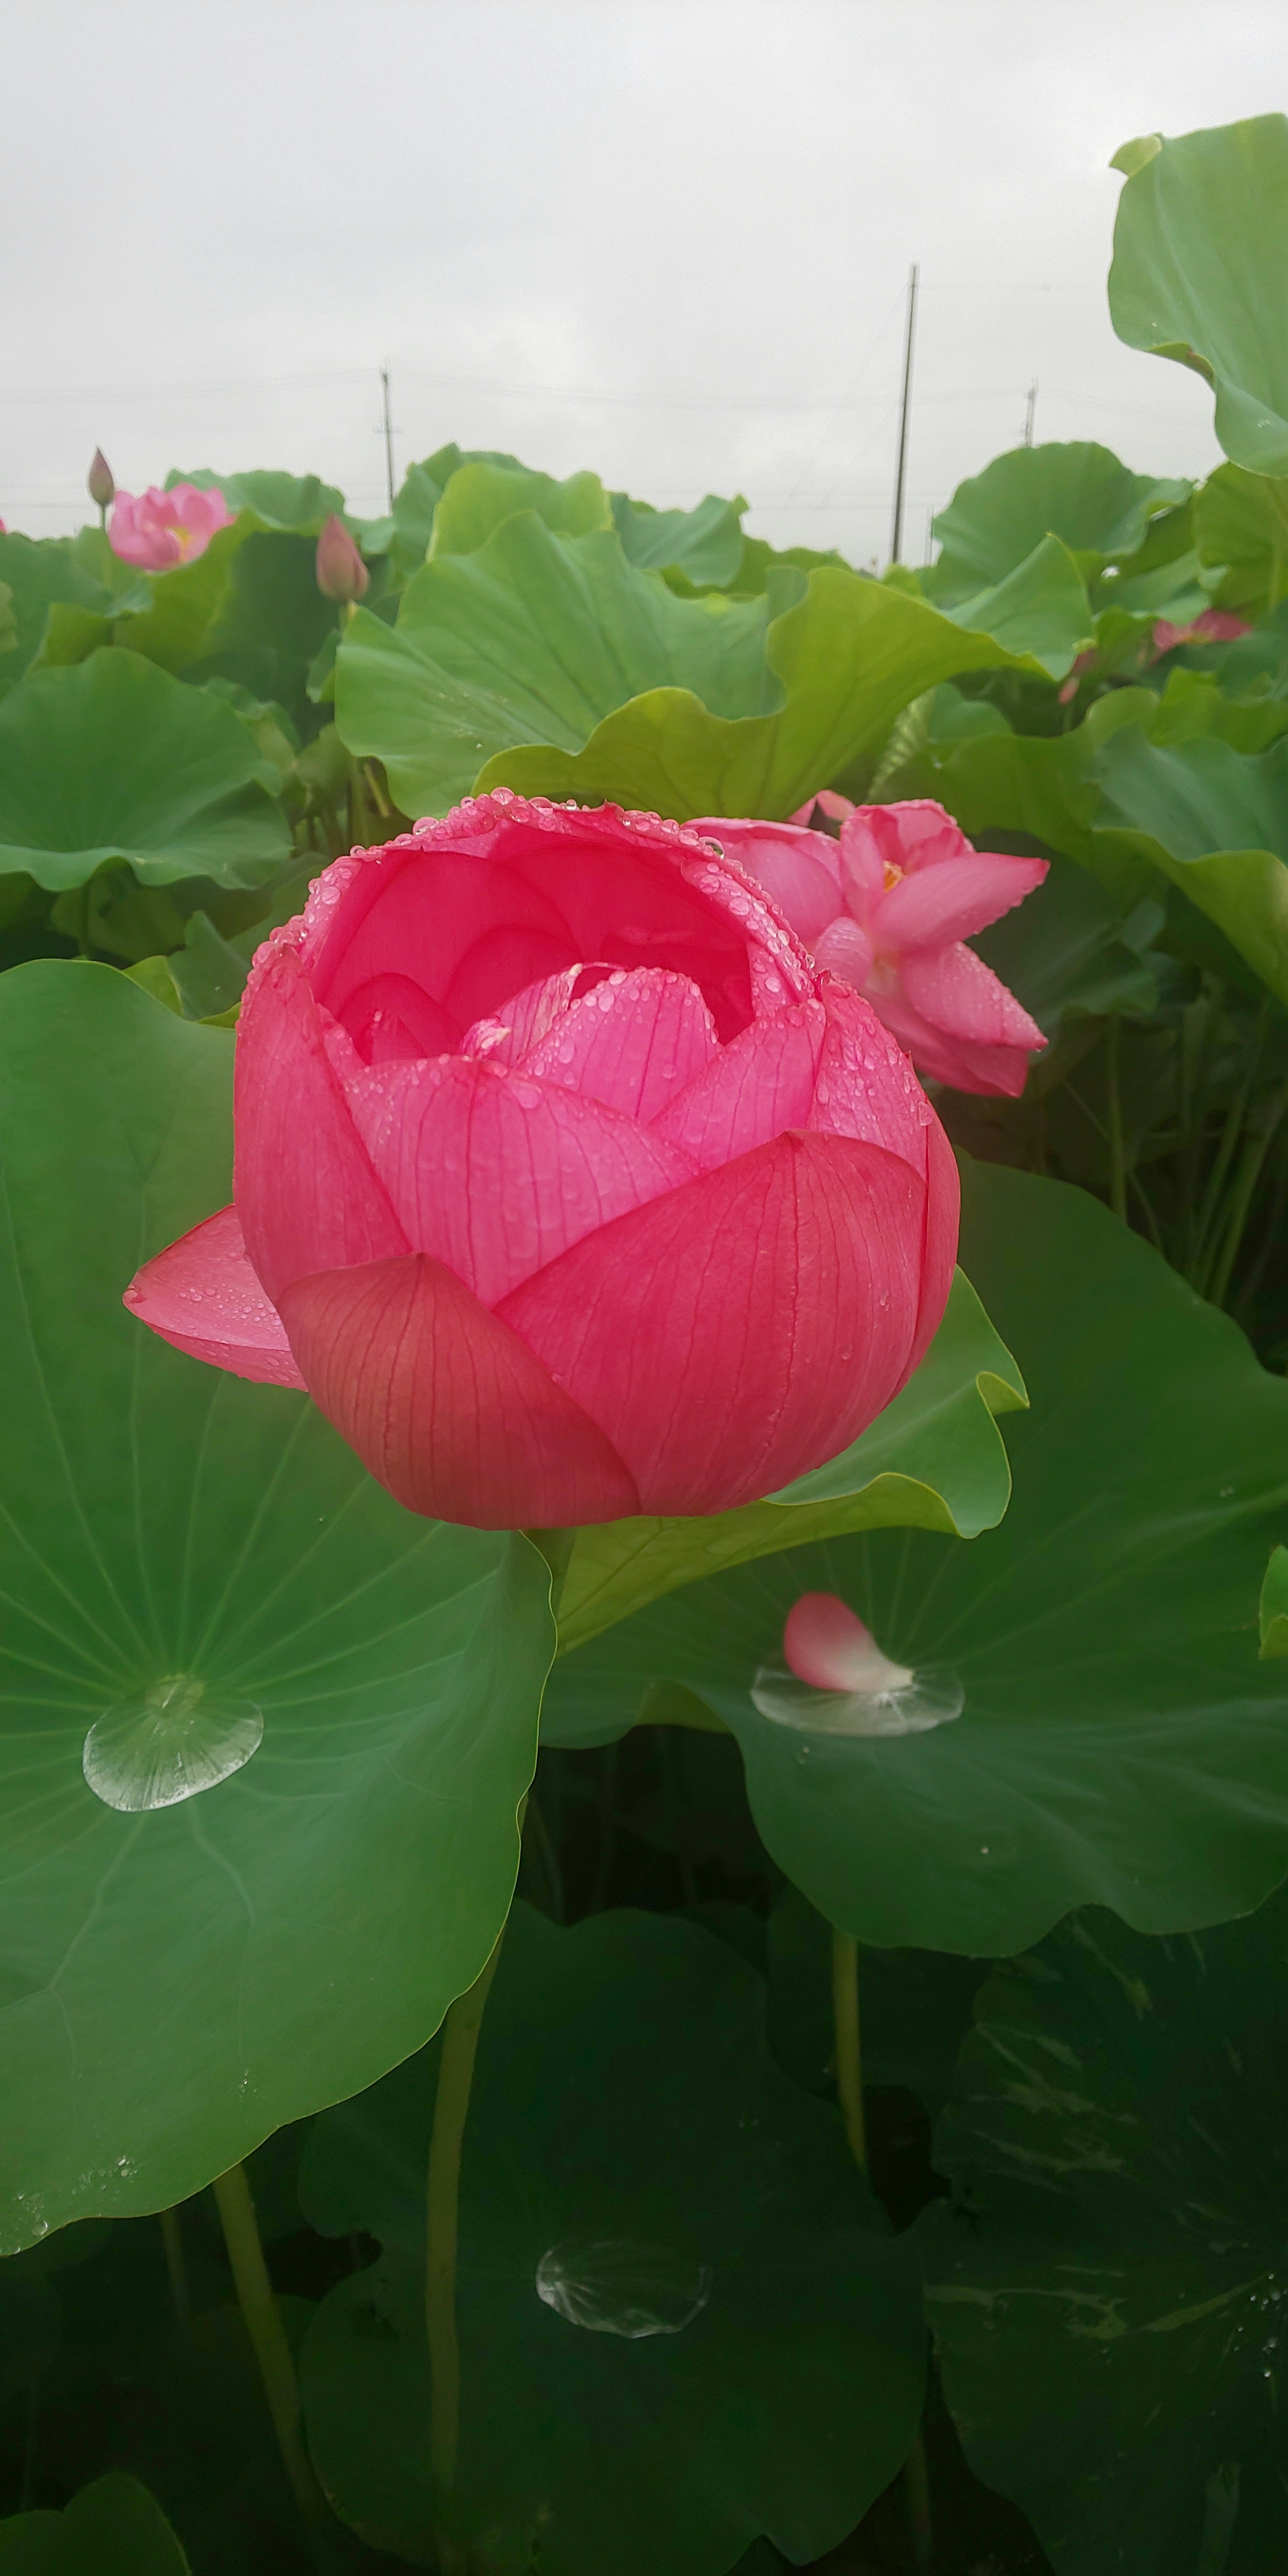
(1107,2289)
(625,2109)
(1200,273)
(113,2528)
(704,543)
(1119,1741)
(176,1984)
(479,497)
(1070,489)
(114,760)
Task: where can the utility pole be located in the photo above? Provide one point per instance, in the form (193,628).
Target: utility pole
(1028,417)
(901,469)
(389,437)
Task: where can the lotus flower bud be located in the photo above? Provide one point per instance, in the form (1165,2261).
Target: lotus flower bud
(342,574)
(102,485)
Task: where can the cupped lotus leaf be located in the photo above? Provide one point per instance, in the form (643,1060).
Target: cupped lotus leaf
(1107,2290)
(1119,1740)
(934,1459)
(113,759)
(533,637)
(176,1984)
(1146,789)
(1071,489)
(1272,1615)
(704,543)
(478,498)
(1200,273)
(298,503)
(112,2528)
(57,576)
(1039,609)
(1241,523)
(683,2318)
(843,662)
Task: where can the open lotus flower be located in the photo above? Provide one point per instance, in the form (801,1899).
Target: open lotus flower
(889,906)
(160,529)
(565,1182)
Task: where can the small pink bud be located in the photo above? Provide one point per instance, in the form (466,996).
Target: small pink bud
(342,574)
(101,482)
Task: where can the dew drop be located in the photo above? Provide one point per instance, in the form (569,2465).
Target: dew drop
(169,1742)
(615,2285)
(929,1698)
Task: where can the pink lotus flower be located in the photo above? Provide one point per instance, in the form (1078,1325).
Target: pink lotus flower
(159,529)
(888,907)
(564,1181)
(1211,626)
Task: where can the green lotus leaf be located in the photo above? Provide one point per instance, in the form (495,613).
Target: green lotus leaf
(532,637)
(479,497)
(112,2528)
(1199,274)
(844,662)
(683,2318)
(1039,610)
(1107,2290)
(114,760)
(1241,523)
(54,577)
(1073,490)
(301,504)
(704,543)
(271,625)
(933,1460)
(177,1982)
(1072,953)
(914,2007)
(1272,1617)
(1119,1741)
(1145,789)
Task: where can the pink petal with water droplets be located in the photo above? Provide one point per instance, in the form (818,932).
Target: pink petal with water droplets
(202,1294)
(746,1327)
(497,1174)
(954,989)
(797,868)
(866,1087)
(754,1089)
(631,1042)
(307,1196)
(943,904)
(507,1034)
(445,1405)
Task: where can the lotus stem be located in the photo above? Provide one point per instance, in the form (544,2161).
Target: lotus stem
(273,2353)
(451,2105)
(175,2264)
(845,2021)
(1117,1148)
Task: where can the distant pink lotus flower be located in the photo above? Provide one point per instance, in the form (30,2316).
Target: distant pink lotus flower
(159,529)
(1212,626)
(888,907)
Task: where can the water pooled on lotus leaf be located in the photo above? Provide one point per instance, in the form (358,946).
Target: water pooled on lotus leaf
(920,1701)
(169,1742)
(616,2285)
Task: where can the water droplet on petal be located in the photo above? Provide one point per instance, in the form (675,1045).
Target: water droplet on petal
(615,2285)
(169,1742)
(927,1699)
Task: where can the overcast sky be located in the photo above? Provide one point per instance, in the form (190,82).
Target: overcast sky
(665,238)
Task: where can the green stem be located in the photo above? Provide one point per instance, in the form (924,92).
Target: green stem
(1208,1212)
(1241,1197)
(272,2352)
(845,2022)
(1117,1149)
(172,2240)
(849,2086)
(451,2104)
